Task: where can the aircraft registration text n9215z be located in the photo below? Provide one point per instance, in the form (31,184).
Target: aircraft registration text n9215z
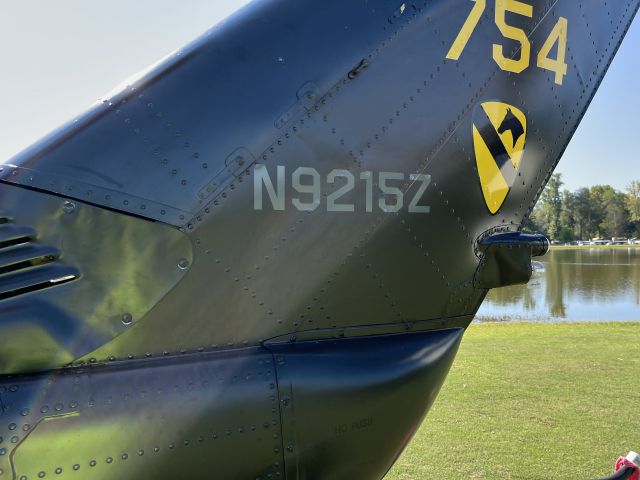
(308,181)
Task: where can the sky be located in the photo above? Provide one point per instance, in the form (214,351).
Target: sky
(60,57)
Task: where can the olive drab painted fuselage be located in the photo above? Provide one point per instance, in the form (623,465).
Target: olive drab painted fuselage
(258,259)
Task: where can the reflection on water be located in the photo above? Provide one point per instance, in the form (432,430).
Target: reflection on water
(591,284)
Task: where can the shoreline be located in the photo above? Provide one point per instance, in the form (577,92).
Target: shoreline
(489,320)
(587,247)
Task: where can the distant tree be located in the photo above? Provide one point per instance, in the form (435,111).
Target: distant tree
(535,221)
(529,225)
(599,211)
(600,196)
(565,235)
(567,217)
(550,208)
(616,219)
(633,205)
(582,211)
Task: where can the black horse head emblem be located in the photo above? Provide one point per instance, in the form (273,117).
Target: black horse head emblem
(511,123)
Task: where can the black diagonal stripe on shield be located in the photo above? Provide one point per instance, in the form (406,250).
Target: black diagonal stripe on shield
(497,150)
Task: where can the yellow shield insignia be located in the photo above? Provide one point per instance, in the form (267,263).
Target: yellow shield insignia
(499,138)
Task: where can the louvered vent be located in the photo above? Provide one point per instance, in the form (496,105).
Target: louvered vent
(25,265)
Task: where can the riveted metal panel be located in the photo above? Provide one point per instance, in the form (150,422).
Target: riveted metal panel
(288,272)
(121,266)
(160,141)
(198,416)
(348,412)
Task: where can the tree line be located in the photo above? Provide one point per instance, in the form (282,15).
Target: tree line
(597,212)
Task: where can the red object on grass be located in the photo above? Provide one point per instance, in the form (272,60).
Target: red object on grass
(623,462)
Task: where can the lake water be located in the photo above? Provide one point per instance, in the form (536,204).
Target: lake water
(587,284)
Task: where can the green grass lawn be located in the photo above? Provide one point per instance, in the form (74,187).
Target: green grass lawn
(532,401)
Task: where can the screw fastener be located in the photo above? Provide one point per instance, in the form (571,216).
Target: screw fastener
(69,207)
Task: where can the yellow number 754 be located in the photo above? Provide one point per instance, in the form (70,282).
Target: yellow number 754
(516,65)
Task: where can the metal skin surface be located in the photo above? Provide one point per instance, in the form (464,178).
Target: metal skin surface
(124,266)
(373,384)
(178,298)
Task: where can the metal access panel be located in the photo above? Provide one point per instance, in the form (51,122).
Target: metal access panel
(200,416)
(74,276)
(350,406)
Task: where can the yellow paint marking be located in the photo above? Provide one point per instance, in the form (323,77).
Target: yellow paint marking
(497,112)
(506,144)
(558,65)
(494,188)
(467,30)
(513,33)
